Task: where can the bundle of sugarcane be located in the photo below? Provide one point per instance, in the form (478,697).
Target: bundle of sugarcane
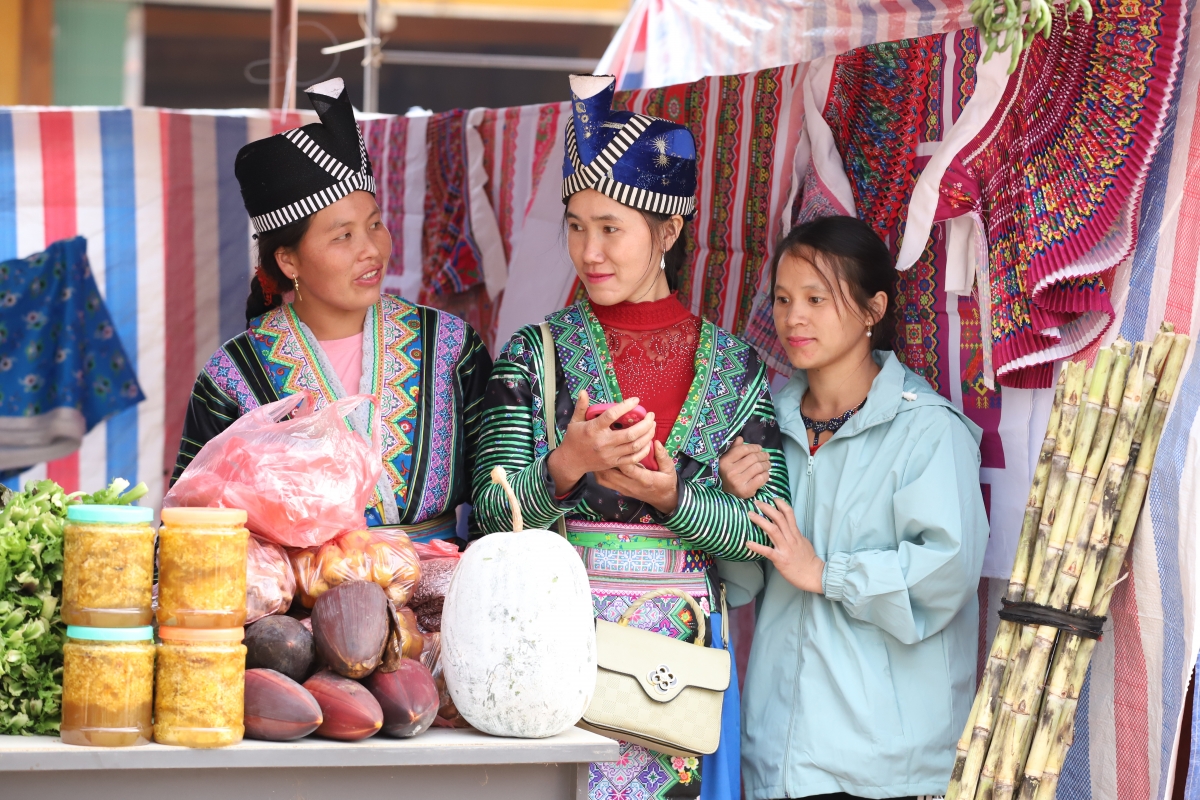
(1088,488)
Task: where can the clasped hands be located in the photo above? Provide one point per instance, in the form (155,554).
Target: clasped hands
(613,456)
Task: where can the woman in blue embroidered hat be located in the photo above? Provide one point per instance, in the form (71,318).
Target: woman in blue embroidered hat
(643,398)
(310,194)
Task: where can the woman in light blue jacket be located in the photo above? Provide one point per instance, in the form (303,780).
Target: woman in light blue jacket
(863,666)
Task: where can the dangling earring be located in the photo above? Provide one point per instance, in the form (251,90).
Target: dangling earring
(868,333)
(296,287)
(662,262)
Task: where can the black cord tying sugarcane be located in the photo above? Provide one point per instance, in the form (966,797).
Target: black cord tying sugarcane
(1080,623)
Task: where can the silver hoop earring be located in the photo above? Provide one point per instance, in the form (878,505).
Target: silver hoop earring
(662,262)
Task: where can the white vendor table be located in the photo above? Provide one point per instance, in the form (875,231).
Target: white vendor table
(440,764)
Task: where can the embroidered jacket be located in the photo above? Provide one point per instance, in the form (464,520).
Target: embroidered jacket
(728,398)
(428,367)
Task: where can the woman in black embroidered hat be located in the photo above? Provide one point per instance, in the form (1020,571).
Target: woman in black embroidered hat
(310,194)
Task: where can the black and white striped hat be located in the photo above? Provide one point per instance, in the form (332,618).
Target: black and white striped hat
(643,162)
(296,173)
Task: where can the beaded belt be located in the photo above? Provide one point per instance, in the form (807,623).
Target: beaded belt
(632,559)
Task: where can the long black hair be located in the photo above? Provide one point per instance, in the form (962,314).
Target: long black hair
(847,249)
(677,255)
(288,237)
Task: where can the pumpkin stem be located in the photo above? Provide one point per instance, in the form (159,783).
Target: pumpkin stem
(499,477)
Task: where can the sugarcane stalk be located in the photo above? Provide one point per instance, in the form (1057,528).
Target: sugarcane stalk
(1056,722)
(1139,482)
(1074,658)
(1037,642)
(1063,447)
(1098,520)
(962,781)
(987,774)
(1042,572)
(1047,485)
(1122,401)
(1024,707)
(1037,494)
(1094,525)
(1084,445)
(1102,534)
(1158,358)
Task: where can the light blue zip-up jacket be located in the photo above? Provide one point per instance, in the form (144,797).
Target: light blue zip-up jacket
(866,689)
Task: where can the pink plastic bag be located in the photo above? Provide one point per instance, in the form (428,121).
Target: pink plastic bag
(301,481)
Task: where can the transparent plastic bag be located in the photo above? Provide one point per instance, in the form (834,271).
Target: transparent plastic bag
(382,555)
(301,481)
(439,559)
(431,657)
(270,581)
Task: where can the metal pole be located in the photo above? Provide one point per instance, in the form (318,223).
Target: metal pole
(284,15)
(371,60)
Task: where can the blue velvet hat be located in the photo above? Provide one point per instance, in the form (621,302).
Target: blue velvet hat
(642,162)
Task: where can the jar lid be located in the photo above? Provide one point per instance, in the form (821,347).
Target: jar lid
(203,516)
(138,634)
(78,512)
(201,634)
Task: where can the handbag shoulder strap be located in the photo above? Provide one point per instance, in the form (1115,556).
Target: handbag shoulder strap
(549,397)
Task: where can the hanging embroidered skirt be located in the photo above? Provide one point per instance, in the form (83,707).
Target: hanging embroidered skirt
(624,562)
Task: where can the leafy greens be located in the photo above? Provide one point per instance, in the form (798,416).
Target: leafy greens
(31,630)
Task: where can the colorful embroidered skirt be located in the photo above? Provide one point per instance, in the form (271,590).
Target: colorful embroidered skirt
(623,563)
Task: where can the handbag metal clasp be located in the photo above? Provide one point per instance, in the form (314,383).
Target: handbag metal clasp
(662,678)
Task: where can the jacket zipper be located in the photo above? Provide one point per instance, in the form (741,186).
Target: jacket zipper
(804,602)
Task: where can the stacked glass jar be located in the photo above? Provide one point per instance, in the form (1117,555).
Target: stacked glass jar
(111,680)
(108,658)
(201,610)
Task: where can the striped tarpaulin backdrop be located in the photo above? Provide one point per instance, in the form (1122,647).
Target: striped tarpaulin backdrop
(168,240)
(664,42)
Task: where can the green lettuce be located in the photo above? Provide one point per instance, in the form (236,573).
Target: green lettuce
(31,631)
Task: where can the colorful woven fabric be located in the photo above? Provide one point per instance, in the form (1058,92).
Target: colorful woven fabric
(883,101)
(618,577)
(452,261)
(1057,176)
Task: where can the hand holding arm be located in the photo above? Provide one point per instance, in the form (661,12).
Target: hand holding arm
(793,554)
(744,469)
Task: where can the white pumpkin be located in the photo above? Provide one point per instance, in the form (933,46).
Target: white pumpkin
(518,636)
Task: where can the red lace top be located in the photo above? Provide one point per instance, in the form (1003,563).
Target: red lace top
(653,347)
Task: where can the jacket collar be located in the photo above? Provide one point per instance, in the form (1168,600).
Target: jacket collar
(895,390)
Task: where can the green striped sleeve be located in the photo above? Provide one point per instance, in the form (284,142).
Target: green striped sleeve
(719,523)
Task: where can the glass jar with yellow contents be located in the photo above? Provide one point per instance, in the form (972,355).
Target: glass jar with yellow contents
(108,686)
(201,678)
(202,568)
(108,566)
